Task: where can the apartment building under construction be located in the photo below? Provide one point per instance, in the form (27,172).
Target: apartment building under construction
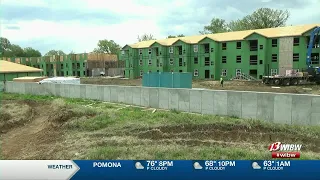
(70,65)
(253,53)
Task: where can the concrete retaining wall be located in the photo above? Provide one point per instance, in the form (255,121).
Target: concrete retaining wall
(279,108)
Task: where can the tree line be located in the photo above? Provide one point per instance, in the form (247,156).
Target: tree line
(261,18)
(8,49)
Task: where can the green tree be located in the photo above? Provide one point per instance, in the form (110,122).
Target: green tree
(30,52)
(259,19)
(14,51)
(180,35)
(264,18)
(72,52)
(146,37)
(216,26)
(107,46)
(55,52)
(4,45)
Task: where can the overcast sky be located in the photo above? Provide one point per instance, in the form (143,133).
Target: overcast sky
(78,24)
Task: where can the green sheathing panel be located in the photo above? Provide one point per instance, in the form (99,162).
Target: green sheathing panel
(130,56)
(176,56)
(10,76)
(270,51)
(202,55)
(34,74)
(69,66)
(217,62)
(22,74)
(301,49)
(83,60)
(262,49)
(231,54)
(262,56)
(159,61)
(2,77)
(164,55)
(134,71)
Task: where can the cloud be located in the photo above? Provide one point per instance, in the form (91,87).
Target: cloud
(27,13)
(12,27)
(79,24)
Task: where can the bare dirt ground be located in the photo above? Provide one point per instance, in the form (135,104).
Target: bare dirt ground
(228,85)
(54,129)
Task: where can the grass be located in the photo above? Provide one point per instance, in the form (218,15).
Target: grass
(175,152)
(114,131)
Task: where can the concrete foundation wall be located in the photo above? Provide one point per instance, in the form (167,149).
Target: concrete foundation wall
(285,54)
(272,107)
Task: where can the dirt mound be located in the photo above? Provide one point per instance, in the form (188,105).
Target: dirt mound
(61,112)
(204,134)
(39,132)
(13,115)
(34,129)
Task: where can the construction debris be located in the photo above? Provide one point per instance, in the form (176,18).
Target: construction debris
(29,79)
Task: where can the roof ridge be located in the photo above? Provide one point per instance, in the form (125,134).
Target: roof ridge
(296,30)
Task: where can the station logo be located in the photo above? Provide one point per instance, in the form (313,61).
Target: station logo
(279,150)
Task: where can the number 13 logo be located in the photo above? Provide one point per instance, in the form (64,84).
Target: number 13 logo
(274,146)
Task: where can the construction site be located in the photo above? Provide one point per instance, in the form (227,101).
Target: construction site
(249,54)
(81,65)
(106,110)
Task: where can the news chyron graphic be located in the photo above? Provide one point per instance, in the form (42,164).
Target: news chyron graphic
(282,150)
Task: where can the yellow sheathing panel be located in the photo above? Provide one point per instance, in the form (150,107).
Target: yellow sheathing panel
(233,36)
(286,31)
(130,45)
(168,42)
(10,67)
(230,36)
(193,39)
(144,44)
(133,45)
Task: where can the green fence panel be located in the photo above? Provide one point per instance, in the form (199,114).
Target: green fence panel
(182,80)
(145,79)
(154,80)
(167,79)
(176,80)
